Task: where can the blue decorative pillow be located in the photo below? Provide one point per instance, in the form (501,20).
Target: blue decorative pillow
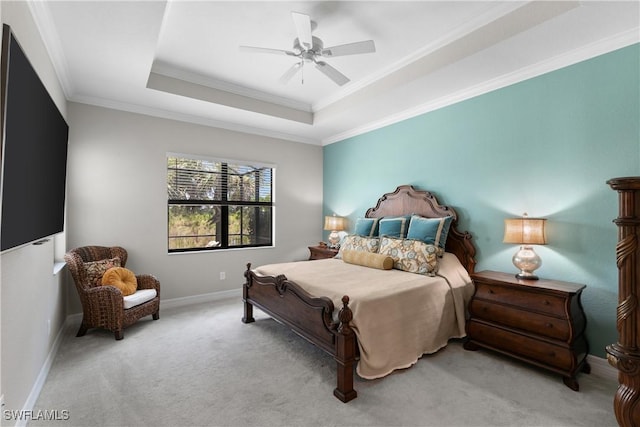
(394,226)
(367,227)
(433,231)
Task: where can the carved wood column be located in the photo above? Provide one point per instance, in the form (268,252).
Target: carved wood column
(625,354)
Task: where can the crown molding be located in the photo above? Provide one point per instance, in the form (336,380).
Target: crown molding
(200,92)
(44,23)
(462,30)
(601,47)
(191,77)
(189,118)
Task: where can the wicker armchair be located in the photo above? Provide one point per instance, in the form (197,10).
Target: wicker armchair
(103,306)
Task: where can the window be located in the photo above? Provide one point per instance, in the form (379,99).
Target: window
(218,204)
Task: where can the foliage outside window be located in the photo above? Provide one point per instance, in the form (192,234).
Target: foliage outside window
(218,204)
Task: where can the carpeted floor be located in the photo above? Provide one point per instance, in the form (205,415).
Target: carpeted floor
(199,365)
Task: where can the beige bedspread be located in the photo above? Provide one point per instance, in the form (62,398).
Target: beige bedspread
(397,316)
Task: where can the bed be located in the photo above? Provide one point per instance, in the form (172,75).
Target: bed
(352,311)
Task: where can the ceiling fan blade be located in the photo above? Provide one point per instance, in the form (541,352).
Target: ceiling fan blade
(291,72)
(303,29)
(367,46)
(335,75)
(267,50)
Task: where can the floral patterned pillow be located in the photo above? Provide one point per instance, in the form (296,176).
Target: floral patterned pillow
(353,242)
(96,269)
(413,256)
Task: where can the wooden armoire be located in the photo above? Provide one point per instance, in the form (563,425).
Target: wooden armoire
(625,354)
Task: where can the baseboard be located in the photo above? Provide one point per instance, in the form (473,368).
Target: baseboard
(601,368)
(195,299)
(42,377)
(76,318)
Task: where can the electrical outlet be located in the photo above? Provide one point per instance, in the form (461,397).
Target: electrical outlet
(223,275)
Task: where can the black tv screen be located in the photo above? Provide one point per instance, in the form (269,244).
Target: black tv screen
(34,152)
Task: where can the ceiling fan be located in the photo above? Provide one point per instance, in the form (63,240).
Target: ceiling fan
(310,49)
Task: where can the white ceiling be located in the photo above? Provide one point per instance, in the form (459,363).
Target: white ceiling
(180,59)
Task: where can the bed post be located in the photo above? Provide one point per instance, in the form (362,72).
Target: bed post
(345,354)
(248,308)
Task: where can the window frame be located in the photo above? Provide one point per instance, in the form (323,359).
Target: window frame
(224,204)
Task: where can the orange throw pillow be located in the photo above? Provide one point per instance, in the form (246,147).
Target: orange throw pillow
(122,279)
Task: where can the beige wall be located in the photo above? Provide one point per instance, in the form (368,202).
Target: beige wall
(117,195)
(32,302)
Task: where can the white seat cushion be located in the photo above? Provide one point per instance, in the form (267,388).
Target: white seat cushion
(139,297)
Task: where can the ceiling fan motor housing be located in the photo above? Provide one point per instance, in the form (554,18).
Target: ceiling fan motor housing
(309,54)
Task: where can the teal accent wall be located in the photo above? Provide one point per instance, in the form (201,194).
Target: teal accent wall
(545,146)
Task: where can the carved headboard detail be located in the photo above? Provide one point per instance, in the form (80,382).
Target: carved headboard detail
(406,200)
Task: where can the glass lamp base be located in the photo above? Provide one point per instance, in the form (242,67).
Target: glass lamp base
(527,261)
(334,239)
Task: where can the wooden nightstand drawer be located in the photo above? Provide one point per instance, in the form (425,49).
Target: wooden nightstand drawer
(537,321)
(520,319)
(542,303)
(517,344)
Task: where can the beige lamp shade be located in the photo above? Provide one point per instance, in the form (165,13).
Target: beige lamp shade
(524,231)
(334,223)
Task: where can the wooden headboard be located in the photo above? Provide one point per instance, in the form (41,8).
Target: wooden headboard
(406,200)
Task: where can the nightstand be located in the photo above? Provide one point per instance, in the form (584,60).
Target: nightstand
(537,321)
(321,252)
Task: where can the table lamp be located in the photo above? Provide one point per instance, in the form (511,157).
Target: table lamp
(335,224)
(525,231)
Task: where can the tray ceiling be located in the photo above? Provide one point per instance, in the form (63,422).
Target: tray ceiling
(181,60)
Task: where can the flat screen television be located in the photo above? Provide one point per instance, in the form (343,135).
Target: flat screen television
(34,152)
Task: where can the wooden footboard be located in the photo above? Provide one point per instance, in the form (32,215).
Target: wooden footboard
(308,316)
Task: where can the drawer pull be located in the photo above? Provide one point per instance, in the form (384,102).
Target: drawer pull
(552,353)
(546,302)
(491,291)
(549,325)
